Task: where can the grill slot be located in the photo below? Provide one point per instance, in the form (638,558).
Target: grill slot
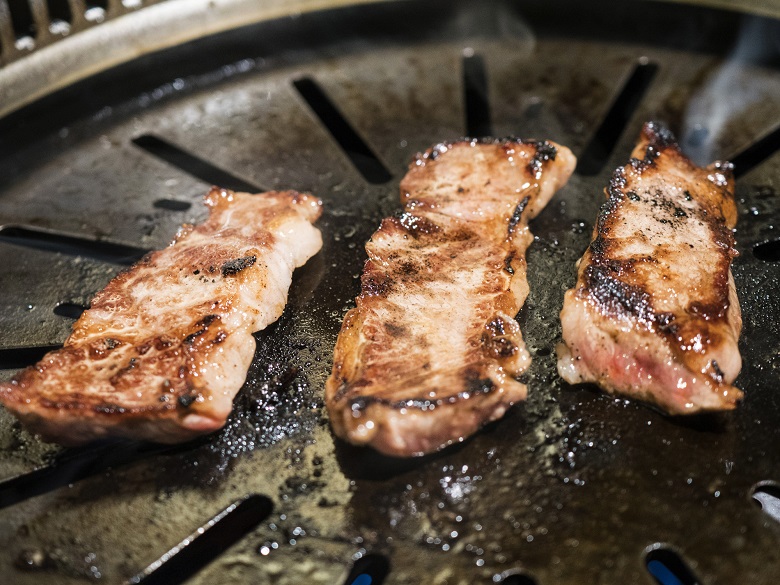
(22,19)
(207,543)
(69,310)
(668,568)
(21,357)
(476,99)
(192,164)
(30,237)
(767,495)
(516,579)
(768,251)
(60,10)
(359,153)
(172,204)
(370,569)
(73,466)
(598,151)
(756,153)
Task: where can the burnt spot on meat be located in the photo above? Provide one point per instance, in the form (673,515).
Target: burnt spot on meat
(220,337)
(497,339)
(375,283)
(102,347)
(161,343)
(508,263)
(122,371)
(666,323)
(496,327)
(396,330)
(190,339)
(499,347)
(343,388)
(716,369)
(708,311)
(408,268)
(544,152)
(615,297)
(186,400)
(109,409)
(207,320)
(517,215)
(477,385)
(358,405)
(616,184)
(232,267)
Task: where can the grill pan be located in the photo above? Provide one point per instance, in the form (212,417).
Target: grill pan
(570,487)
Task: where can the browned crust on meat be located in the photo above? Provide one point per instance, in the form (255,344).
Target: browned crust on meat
(619,288)
(617,285)
(129,370)
(459,242)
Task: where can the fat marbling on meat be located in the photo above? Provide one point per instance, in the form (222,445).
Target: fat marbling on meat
(654,313)
(165,347)
(431,351)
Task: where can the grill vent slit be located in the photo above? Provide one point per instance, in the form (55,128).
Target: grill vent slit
(38,239)
(371,569)
(756,153)
(475,95)
(22,19)
(192,164)
(767,251)
(69,310)
(74,465)
(207,543)
(172,204)
(20,357)
(515,579)
(767,495)
(668,568)
(599,149)
(60,10)
(359,153)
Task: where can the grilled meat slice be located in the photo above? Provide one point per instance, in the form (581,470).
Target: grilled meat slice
(166,345)
(430,352)
(654,314)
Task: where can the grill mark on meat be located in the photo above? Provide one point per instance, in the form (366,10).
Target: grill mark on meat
(655,299)
(434,325)
(166,345)
(475,387)
(517,215)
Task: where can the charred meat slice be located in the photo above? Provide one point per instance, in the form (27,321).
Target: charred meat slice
(166,345)
(654,314)
(430,352)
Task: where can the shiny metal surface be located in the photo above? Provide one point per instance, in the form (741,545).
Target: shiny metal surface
(570,487)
